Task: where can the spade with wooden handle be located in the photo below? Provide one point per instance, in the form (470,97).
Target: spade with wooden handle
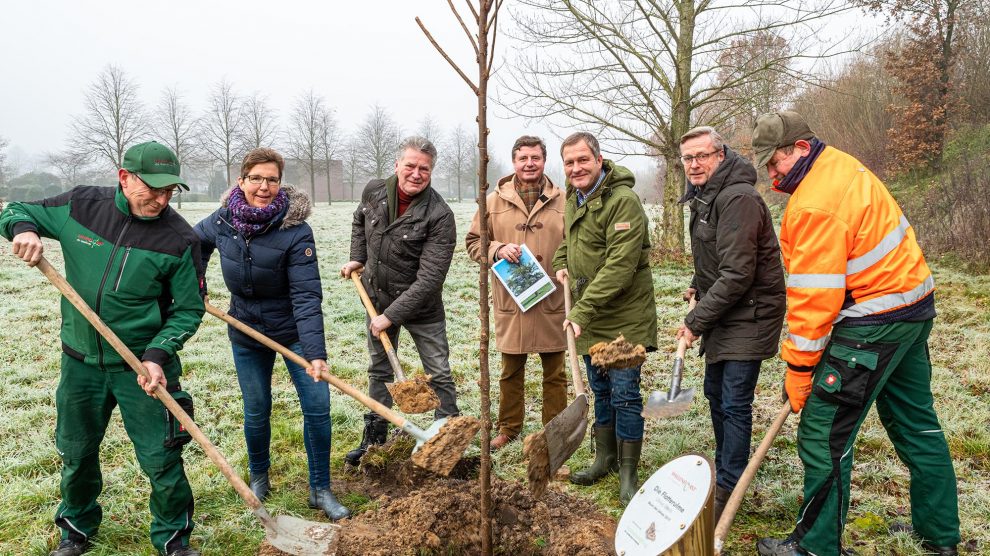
(286,533)
(735,500)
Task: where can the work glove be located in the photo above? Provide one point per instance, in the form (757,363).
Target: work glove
(797,388)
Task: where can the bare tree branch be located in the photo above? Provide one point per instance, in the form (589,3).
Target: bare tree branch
(474,88)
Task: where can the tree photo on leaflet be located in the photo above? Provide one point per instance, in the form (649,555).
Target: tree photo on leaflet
(522,276)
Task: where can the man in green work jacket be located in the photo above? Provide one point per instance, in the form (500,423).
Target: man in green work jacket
(135,262)
(605,255)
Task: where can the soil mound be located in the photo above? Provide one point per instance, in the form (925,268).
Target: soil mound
(617,354)
(414,395)
(416,512)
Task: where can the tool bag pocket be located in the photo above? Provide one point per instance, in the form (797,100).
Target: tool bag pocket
(846,374)
(176,435)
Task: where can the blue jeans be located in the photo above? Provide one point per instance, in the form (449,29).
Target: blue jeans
(730,387)
(254,374)
(617,400)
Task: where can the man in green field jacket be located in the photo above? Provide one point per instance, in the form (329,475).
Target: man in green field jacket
(135,262)
(605,255)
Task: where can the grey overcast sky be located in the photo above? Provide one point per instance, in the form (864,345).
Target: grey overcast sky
(354,54)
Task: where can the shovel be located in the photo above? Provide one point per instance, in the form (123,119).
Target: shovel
(735,500)
(675,401)
(549,448)
(411,396)
(443,443)
(286,533)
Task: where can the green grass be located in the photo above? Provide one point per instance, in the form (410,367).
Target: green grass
(29,464)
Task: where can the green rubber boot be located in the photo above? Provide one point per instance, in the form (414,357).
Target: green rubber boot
(629,451)
(605,458)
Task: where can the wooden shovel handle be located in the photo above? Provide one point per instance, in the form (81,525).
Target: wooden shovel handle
(571,343)
(161,393)
(344,387)
(383,336)
(735,500)
(682,344)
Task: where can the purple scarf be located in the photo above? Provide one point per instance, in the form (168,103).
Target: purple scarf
(250,220)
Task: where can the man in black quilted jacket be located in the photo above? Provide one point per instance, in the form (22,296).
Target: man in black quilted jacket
(402,241)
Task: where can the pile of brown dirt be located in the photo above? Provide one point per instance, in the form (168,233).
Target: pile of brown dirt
(617,354)
(537,453)
(416,512)
(442,452)
(414,395)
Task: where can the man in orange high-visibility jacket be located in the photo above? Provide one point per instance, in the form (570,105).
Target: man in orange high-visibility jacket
(860,304)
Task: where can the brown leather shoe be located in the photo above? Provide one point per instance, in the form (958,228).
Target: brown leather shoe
(501,440)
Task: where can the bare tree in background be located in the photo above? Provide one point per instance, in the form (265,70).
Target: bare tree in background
(329,145)
(351,161)
(428,127)
(378,137)
(260,123)
(973,65)
(219,128)
(638,72)
(852,112)
(68,167)
(112,120)
(923,69)
(4,143)
(175,126)
(757,66)
(461,157)
(305,134)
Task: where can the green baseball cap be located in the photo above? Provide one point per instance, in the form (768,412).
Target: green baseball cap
(155,164)
(775,130)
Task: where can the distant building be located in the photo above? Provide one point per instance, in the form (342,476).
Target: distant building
(297,175)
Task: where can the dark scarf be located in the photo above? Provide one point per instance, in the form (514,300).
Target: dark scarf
(250,220)
(800,169)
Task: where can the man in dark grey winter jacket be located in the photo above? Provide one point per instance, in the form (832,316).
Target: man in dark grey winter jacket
(402,240)
(739,282)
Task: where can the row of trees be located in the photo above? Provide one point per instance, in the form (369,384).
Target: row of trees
(212,142)
(898,105)
(642,72)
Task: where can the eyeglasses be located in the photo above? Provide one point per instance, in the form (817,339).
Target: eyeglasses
(258,180)
(701,158)
(158,191)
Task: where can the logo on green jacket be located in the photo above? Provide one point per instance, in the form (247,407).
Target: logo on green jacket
(91,242)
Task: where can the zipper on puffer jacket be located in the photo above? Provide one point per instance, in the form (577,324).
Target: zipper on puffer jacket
(103,283)
(123,263)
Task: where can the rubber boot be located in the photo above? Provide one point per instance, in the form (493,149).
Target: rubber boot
(375,432)
(605,458)
(260,485)
(323,499)
(721,499)
(629,451)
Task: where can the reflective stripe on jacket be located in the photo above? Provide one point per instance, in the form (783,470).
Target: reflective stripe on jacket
(849,252)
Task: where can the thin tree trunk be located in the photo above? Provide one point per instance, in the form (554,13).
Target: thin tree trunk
(484,383)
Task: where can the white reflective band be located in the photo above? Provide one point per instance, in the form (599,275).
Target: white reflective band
(837,281)
(804,344)
(886,245)
(889,301)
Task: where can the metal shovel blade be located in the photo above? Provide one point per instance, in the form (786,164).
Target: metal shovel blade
(566,431)
(300,537)
(429,433)
(659,406)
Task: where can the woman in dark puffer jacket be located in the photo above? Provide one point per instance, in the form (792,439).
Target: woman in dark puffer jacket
(268,260)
